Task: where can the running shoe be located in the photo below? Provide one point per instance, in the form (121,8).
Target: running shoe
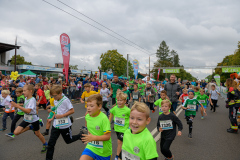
(44,149)
(153,111)
(3,129)
(230,130)
(202,117)
(41,122)
(190,135)
(10,135)
(116,158)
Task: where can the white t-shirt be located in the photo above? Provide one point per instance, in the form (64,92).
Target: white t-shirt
(31,104)
(104,92)
(62,107)
(214,94)
(6,102)
(1,99)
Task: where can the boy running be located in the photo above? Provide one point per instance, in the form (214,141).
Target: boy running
(105,93)
(121,115)
(138,142)
(98,140)
(149,96)
(136,95)
(202,98)
(159,101)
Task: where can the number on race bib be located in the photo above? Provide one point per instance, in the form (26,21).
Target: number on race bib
(166,125)
(119,121)
(128,156)
(97,144)
(28,118)
(147,93)
(202,101)
(61,122)
(192,107)
(160,109)
(135,96)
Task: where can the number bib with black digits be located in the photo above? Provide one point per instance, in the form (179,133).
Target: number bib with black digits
(128,156)
(160,109)
(166,125)
(192,107)
(119,121)
(61,122)
(201,101)
(28,118)
(147,93)
(97,144)
(135,96)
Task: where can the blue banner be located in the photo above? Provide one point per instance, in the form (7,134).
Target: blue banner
(135,67)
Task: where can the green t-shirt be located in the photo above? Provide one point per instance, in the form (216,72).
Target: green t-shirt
(140,146)
(192,103)
(20,99)
(98,126)
(47,94)
(121,118)
(127,92)
(142,87)
(197,94)
(131,84)
(158,103)
(115,87)
(202,99)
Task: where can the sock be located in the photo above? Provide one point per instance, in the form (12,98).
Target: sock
(47,130)
(45,144)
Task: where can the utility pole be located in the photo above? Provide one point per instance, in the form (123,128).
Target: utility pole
(15,55)
(127,66)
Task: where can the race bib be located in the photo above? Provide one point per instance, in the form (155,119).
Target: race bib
(7,107)
(160,109)
(104,95)
(166,125)
(128,156)
(135,96)
(192,107)
(202,101)
(19,110)
(61,122)
(97,144)
(147,93)
(119,121)
(28,118)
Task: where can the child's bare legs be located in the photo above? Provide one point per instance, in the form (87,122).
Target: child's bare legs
(40,136)
(86,157)
(202,109)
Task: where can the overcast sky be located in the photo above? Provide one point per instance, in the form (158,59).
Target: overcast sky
(202,32)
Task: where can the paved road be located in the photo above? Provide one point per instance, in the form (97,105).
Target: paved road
(210,139)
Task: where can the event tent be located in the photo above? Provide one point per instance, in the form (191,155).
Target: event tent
(28,73)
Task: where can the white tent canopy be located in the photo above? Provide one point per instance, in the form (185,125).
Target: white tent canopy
(145,79)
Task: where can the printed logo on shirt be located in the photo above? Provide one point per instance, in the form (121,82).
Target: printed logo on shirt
(97,127)
(194,102)
(136,150)
(123,115)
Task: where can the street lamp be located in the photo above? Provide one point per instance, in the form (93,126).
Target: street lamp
(149,63)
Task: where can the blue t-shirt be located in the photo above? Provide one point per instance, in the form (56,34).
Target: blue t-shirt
(193,83)
(21,84)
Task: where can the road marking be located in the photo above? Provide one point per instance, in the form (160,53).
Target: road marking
(159,134)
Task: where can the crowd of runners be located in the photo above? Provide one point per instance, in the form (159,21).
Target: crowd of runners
(127,103)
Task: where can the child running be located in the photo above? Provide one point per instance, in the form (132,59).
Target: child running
(31,119)
(61,121)
(203,98)
(214,97)
(138,142)
(149,96)
(8,110)
(121,115)
(167,126)
(98,140)
(190,106)
(105,95)
(159,101)
(136,95)
(20,114)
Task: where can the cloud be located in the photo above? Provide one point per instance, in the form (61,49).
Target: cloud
(202,32)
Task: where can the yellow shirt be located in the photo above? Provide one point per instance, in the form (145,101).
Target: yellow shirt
(52,102)
(86,94)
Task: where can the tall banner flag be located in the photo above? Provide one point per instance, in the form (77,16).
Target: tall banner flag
(135,67)
(217,79)
(158,73)
(65,46)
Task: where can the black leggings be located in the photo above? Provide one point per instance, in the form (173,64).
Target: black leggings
(214,104)
(233,117)
(14,121)
(55,133)
(105,106)
(165,147)
(190,122)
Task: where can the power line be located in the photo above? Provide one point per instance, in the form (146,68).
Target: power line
(104,26)
(92,25)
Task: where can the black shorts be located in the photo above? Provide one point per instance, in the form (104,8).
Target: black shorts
(120,136)
(34,124)
(42,105)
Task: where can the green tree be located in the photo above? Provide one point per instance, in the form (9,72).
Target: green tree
(163,52)
(19,60)
(115,62)
(74,67)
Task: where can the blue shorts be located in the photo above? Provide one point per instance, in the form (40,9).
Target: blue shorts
(205,107)
(94,156)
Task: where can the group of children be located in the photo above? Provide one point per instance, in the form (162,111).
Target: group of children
(134,140)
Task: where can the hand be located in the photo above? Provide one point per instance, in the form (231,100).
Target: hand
(177,93)
(4,109)
(14,104)
(188,107)
(179,133)
(160,129)
(82,101)
(58,116)
(49,110)
(88,138)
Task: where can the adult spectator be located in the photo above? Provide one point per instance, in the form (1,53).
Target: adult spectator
(188,84)
(4,82)
(193,83)
(72,88)
(39,79)
(32,81)
(1,75)
(21,83)
(173,90)
(115,85)
(204,84)
(50,80)
(45,81)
